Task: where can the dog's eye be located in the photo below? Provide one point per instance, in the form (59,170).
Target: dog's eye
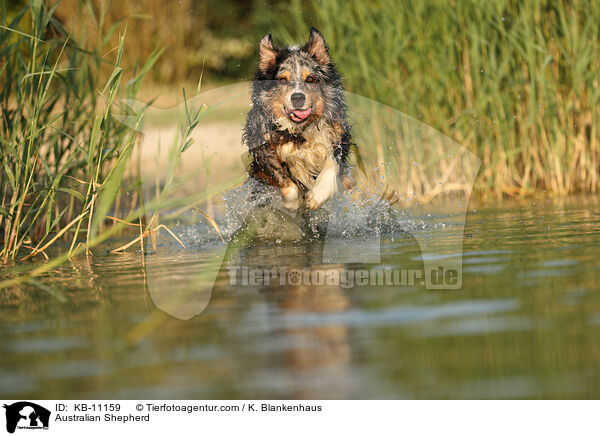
(283,80)
(311,79)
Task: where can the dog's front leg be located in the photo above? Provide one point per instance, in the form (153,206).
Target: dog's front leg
(325,186)
(269,167)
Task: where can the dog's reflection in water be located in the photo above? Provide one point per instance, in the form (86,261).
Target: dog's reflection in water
(316,350)
(321,342)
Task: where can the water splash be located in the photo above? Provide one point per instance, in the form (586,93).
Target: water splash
(260,207)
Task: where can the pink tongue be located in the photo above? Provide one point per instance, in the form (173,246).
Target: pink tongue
(302,114)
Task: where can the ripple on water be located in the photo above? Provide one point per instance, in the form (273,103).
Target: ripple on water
(47,344)
(401,315)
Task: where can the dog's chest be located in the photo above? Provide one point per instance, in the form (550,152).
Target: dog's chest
(305,161)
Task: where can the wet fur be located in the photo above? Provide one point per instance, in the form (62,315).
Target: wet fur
(307,159)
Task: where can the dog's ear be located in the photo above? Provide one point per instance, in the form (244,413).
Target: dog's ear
(267,53)
(317,47)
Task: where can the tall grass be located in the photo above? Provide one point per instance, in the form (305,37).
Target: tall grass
(514,82)
(63,154)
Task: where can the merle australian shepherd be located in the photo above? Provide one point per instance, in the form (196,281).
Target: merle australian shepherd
(296,131)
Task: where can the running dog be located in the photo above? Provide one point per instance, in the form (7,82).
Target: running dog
(296,131)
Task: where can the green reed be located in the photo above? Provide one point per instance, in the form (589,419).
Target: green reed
(514,82)
(63,154)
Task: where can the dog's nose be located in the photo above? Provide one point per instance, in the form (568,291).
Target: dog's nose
(298,99)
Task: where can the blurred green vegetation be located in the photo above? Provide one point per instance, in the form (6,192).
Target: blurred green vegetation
(514,82)
(215,36)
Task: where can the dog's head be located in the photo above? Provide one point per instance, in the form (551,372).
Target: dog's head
(297,85)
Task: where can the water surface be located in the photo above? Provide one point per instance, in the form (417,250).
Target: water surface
(526,323)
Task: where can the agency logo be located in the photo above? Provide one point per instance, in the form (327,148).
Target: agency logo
(26,415)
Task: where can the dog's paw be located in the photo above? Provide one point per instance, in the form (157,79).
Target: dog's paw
(318,195)
(292,204)
(291,197)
